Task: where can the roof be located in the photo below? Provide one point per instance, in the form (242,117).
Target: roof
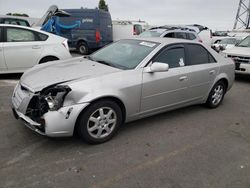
(168,28)
(164,40)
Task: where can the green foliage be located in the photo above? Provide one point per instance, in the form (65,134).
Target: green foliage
(17,14)
(103,6)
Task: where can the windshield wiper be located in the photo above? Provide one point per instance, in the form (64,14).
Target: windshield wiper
(106,63)
(110,64)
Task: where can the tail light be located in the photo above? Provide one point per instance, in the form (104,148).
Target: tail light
(97,36)
(65,44)
(134,31)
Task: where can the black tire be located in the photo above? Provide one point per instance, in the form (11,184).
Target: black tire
(48,59)
(83,48)
(84,124)
(216,95)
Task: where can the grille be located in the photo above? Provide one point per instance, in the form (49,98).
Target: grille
(240,59)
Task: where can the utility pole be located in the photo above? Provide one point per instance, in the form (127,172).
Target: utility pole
(243,15)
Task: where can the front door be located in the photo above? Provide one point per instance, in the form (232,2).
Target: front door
(163,90)
(21,48)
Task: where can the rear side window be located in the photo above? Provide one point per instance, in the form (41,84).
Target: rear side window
(170,35)
(19,35)
(41,36)
(191,36)
(199,55)
(180,35)
(174,57)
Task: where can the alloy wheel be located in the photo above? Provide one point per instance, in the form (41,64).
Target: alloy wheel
(102,122)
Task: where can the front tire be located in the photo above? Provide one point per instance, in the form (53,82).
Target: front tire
(100,122)
(216,95)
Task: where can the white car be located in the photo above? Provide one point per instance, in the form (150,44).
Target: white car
(224,43)
(241,56)
(22,47)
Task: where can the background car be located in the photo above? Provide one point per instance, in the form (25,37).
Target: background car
(224,43)
(241,56)
(171,32)
(123,82)
(123,29)
(14,21)
(22,48)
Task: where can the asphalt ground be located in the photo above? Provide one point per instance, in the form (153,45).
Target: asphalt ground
(194,147)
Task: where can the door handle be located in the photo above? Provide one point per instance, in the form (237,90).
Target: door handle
(212,72)
(36,47)
(183,78)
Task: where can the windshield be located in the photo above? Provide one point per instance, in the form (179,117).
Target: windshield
(228,41)
(152,33)
(124,54)
(245,42)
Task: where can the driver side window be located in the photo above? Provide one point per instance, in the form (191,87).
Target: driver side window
(174,57)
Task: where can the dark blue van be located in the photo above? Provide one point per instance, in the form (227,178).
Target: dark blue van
(85,29)
(94,31)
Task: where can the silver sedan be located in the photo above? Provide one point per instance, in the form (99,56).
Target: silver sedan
(125,81)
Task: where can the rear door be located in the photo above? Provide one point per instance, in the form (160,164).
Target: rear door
(106,28)
(2,61)
(204,70)
(22,49)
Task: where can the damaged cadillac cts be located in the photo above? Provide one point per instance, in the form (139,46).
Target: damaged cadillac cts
(125,81)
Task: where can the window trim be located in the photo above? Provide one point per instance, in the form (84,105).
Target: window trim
(188,55)
(168,47)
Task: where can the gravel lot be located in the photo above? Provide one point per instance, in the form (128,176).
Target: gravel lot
(194,147)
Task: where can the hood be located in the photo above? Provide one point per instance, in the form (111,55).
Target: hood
(47,74)
(238,51)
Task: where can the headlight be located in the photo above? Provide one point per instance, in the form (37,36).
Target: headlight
(55,96)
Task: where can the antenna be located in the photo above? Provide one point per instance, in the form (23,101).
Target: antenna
(243,15)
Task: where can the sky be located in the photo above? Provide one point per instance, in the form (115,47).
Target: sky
(215,14)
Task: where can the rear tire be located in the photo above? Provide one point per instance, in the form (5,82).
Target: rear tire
(216,95)
(82,48)
(48,59)
(100,122)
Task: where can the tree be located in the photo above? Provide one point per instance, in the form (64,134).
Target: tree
(103,6)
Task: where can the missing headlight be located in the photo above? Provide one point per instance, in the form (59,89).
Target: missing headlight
(49,99)
(55,96)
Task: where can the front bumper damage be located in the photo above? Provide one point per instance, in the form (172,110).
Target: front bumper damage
(57,123)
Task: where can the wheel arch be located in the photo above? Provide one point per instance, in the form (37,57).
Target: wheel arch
(118,101)
(81,40)
(48,56)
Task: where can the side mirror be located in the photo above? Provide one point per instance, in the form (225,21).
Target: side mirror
(157,67)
